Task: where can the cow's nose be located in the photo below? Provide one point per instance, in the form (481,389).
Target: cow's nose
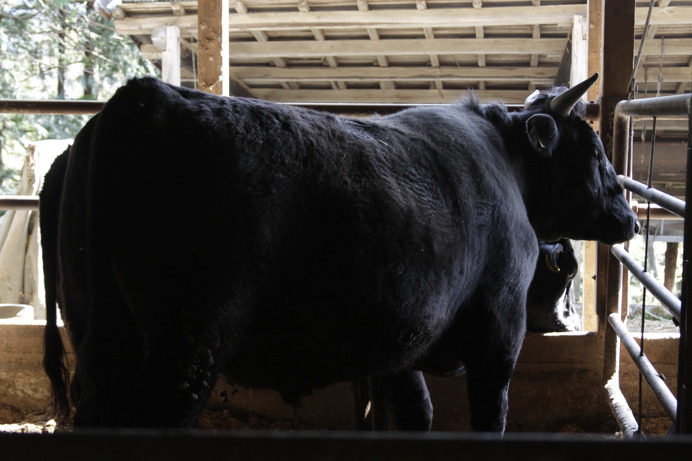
(637,227)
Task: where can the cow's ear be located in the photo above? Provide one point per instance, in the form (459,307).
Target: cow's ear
(542,132)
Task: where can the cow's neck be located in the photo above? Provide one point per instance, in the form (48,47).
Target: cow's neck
(525,164)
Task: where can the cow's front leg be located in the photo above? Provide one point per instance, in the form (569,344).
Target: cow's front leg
(401,400)
(490,355)
(488,388)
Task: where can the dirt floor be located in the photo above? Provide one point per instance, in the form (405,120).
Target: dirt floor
(13,420)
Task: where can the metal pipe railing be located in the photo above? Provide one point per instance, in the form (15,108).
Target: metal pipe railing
(621,410)
(684,422)
(70,107)
(677,106)
(19,202)
(654,378)
(668,299)
(60,107)
(670,203)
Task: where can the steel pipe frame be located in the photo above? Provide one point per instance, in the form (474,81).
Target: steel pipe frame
(65,107)
(669,301)
(621,410)
(60,107)
(670,203)
(19,202)
(684,421)
(655,380)
(677,106)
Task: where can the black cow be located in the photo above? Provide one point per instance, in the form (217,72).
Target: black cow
(389,403)
(290,249)
(548,303)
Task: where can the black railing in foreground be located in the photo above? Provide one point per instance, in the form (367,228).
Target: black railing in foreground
(680,411)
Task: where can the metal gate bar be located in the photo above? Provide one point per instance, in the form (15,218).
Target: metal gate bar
(670,203)
(668,299)
(653,377)
(684,421)
(19,202)
(677,106)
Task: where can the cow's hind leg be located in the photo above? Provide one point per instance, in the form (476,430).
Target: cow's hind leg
(109,357)
(179,372)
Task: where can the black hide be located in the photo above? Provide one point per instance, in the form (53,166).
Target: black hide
(289,249)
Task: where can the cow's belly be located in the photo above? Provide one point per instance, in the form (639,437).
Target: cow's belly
(295,357)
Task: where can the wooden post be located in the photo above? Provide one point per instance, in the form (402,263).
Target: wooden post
(595,24)
(671,262)
(579,67)
(170,57)
(618,55)
(212,46)
(590,317)
(167,39)
(595,51)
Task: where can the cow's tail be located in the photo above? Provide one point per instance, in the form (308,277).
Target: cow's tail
(54,360)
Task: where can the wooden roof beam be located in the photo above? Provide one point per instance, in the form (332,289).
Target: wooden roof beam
(430,35)
(377,19)
(535,33)
(304,7)
(387,96)
(261,36)
(375,35)
(403,47)
(480,33)
(398,18)
(542,75)
(412,47)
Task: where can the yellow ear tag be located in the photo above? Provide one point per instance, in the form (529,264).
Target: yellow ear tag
(551,266)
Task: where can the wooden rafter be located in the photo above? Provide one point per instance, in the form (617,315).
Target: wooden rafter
(394,19)
(410,51)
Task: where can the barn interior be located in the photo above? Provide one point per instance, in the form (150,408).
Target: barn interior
(360,57)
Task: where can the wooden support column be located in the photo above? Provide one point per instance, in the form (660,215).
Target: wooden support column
(595,24)
(591,317)
(617,65)
(671,264)
(580,53)
(594,20)
(213,46)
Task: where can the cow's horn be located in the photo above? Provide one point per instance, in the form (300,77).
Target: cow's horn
(562,104)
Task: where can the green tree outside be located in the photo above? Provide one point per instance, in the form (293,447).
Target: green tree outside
(56,49)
